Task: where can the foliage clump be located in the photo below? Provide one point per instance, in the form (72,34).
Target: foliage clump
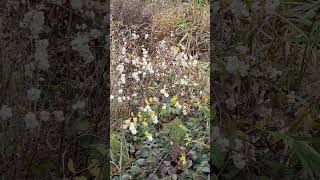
(160,92)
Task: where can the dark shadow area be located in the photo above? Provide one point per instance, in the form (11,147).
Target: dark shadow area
(54,89)
(265,88)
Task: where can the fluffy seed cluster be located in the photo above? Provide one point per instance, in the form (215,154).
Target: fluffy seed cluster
(81,44)
(34,21)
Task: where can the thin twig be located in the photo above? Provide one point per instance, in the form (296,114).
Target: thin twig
(159,165)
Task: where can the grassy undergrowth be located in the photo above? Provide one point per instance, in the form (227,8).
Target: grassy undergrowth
(160,90)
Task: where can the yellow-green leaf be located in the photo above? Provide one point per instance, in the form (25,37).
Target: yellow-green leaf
(71,166)
(80,178)
(95,171)
(93,167)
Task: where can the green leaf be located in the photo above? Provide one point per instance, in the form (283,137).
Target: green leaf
(309,157)
(36,169)
(258,125)
(180,22)
(104,171)
(95,171)
(80,178)
(101,148)
(87,140)
(217,157)
(280,99)
(83,124)
(312,140)
(71,166)
(43,168)
(205,111)
(300,119)
(280,136)
(307,40)
(175,130)
(214,177)
(231,128)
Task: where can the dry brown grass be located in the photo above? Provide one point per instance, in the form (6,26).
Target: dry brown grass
(130,12)
(188,21)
